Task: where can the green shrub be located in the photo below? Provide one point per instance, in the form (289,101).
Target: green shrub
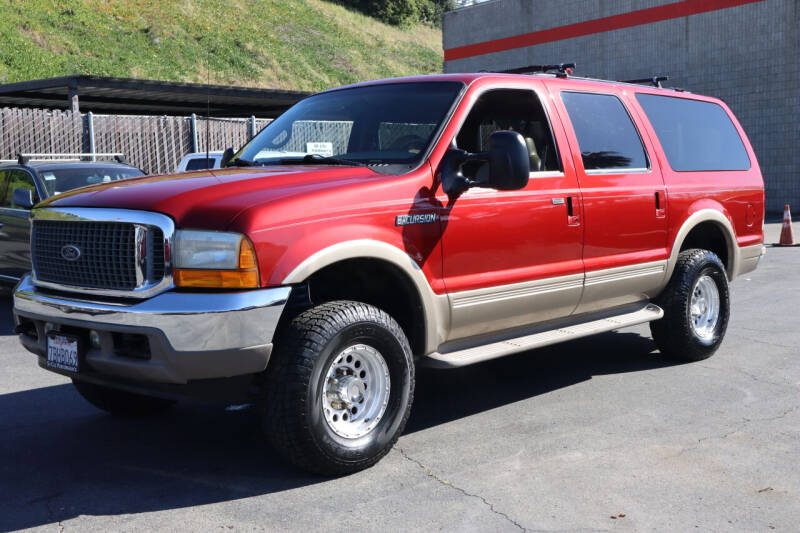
(399,12)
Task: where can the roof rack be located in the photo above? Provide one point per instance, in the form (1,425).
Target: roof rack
(23,158)
(655,80)
(562,69)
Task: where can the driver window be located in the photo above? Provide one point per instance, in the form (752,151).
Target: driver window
(510,109)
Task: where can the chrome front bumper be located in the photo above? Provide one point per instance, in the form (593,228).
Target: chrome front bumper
(190,336)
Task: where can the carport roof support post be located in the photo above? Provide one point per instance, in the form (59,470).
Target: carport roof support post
(72,99)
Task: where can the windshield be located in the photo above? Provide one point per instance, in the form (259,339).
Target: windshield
(377,124)
(61,180)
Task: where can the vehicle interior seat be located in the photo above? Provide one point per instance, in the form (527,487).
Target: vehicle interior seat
(533,153)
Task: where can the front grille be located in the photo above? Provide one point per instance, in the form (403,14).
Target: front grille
(157,253)
(107,254)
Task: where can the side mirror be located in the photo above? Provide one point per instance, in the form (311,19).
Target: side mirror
(509,161)
(23,198)
(509,165)
(227,155)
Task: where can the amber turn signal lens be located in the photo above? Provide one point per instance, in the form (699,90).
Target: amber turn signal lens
(247,256)
(246,277)
(216,279)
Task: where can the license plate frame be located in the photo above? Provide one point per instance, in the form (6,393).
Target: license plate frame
(63,352)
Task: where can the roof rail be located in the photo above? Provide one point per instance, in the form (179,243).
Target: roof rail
(563,69)
(24,159)
(655,80)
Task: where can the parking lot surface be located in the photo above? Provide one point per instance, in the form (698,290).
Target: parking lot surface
(596,434)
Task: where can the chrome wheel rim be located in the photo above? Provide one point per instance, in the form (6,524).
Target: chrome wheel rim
(704,308)
(356,391)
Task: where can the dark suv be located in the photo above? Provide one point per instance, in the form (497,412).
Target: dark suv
(25,183)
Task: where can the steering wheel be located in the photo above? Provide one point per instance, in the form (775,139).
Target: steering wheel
(408,143)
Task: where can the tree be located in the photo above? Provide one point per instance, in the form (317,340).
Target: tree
(399,12)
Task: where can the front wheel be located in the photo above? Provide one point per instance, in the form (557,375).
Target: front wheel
(339,388)
(696,307)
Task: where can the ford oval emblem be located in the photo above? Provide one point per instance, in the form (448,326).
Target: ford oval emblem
(70,252)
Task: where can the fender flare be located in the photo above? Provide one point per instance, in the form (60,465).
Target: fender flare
(699,217)
(435,308)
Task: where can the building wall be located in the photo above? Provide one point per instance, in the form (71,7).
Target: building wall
(747,55)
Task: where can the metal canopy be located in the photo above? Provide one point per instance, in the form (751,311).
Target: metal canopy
(100,94)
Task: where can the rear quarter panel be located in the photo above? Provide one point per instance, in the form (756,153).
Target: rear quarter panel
(739,195)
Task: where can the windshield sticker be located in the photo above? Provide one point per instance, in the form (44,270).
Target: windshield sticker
(422,218)
(320,148)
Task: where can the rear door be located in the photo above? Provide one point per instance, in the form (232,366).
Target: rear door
(15,232)
(624,198)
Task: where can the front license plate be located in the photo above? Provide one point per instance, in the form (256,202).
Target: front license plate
(62,352)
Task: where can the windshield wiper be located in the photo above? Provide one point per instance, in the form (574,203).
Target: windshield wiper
(316,159)
(239,162)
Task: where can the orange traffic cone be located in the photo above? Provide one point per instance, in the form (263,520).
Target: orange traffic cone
(787,235)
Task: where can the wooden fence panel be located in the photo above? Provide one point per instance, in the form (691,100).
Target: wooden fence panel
(39,131)
(155,144)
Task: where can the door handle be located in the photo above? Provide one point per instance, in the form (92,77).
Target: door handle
(572,218)
(661,211)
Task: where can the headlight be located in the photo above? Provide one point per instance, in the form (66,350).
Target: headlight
(214,259)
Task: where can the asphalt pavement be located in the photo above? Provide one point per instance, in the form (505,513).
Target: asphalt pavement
(598,434)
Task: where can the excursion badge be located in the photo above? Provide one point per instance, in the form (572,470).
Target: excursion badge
(422,218)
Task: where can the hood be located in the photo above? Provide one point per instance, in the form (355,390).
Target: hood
(211,198)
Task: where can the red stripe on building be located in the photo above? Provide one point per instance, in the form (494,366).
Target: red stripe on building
(590,27)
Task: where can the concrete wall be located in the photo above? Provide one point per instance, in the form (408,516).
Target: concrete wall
(747,55)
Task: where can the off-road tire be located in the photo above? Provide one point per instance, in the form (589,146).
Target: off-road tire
(119,402)
(291,409)
(674,334)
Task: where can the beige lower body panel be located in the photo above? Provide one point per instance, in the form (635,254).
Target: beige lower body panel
(749,256)
(497,308)
(612,287)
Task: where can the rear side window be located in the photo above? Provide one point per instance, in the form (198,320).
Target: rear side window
(695,135)
(606,135)
(3,184)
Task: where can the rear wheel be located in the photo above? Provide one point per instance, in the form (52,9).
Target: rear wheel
(119,402)
(696,307)
(339,388)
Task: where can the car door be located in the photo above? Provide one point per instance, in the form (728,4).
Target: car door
(15,252)
(512,258)
(624,198)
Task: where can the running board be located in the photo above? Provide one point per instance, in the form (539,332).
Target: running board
(493,350)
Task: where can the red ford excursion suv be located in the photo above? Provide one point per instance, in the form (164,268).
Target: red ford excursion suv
(441,220)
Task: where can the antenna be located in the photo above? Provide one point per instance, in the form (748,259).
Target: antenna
(208,105)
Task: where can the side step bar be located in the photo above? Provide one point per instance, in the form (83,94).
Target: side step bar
(484,352)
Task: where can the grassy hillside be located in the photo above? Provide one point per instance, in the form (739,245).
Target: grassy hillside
(291,44)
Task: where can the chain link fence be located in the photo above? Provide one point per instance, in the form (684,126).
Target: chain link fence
(37,131)
(155,144)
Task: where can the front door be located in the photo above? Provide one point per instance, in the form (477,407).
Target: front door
(624,200)
(15,226)
(512,258)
